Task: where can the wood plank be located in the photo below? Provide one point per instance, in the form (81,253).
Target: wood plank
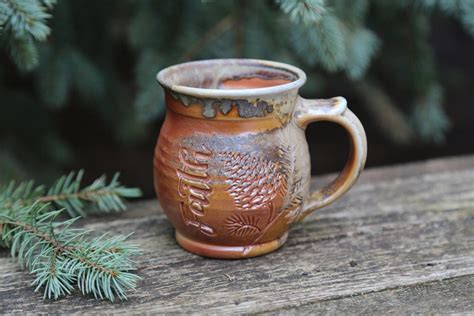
(451,296)
(387,233)
(408,170)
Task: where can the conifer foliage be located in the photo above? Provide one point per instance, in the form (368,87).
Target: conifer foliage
(60,256)
(103,56)
(23,24)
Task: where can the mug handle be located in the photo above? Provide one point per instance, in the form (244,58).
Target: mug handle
(334,110)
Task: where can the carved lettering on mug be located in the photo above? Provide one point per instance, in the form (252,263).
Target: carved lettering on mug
(194,187)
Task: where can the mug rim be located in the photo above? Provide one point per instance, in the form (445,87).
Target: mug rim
(163,79)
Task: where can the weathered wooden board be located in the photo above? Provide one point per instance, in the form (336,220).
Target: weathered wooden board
(402,241)
(438,297)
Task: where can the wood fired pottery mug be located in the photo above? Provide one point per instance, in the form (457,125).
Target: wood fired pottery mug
(231,165)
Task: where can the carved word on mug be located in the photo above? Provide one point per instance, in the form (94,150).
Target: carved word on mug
(194,187)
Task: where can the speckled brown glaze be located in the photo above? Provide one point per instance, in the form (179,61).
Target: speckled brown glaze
(231,165)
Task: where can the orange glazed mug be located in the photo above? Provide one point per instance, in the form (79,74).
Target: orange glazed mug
(231,165)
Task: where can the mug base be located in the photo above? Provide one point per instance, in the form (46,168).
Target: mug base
(229,252)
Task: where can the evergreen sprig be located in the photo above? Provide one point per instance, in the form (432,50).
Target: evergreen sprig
(60,256)
(332,34)
(303,11)
(63,70)
(428,117)
(89,64)
(463,10)
(23,23)
(66,193)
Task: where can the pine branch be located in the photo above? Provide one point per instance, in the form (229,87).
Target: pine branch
(332,36)
(95,198)
(23,22)
(61,256)
(54,77)
(49,3)
(303,11)
(98,197)
(88,80)
(3,14)
(462,10)
(317,36)
(466,15)
(362,46)
(321,43)
(428,118)
(353,13)
(148,103)
(144,26)
(24,53)
(26,17)
(63,69)
(25,192)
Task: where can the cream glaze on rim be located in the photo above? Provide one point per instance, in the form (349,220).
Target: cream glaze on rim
(164,79)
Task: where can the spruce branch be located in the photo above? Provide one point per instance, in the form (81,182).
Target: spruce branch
(49,3)
(24,52)
(26,17)
(463,10)
(23,23)
(318,36)
(353,13)
(332,34)
(3,14)
(88,80)
(96,198)
(428,117)
(303,11)
(321,43)
(66,193)
(62,258)
(148,102)
(362,46)
(466,15)
(54,77)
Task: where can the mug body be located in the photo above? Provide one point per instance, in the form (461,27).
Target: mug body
(231,166)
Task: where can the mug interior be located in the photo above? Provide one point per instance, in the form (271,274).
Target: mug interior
(231,77)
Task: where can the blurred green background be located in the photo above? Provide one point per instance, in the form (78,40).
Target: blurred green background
(78,89)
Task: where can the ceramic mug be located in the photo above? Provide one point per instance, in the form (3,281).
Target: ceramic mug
(231,164)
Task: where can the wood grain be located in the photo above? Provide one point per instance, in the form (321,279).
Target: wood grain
(439,297)
(400,241)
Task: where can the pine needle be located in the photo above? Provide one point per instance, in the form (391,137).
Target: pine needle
(23,23)
(62,257)
(303,11)
(428,118)
(66,193)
